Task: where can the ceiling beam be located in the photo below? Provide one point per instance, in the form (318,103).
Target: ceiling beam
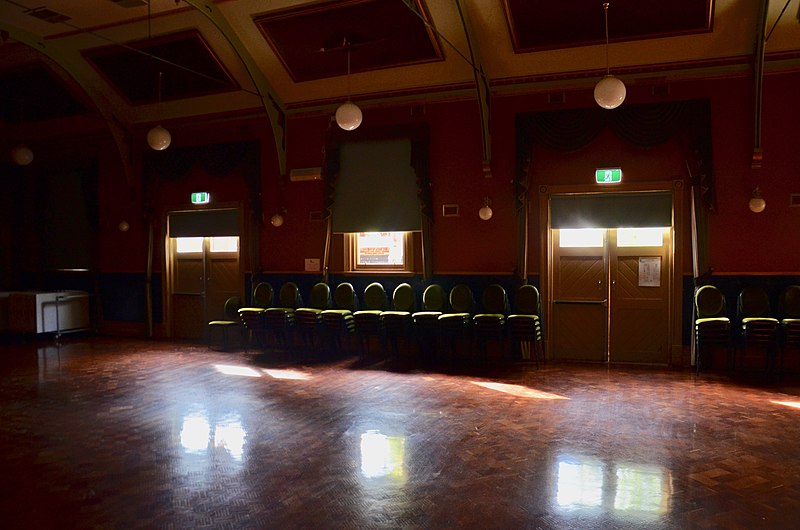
(269,98)
(482,86)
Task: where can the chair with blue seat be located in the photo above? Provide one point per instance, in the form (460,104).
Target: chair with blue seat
(759,329)
(309,317)
(789,313)
(525,323)
(712,325)
(490,324)
(227,326)
(398,322)
(281,319)
(252,316)
(369,323)
(338,321)
(426,321)
(455,325)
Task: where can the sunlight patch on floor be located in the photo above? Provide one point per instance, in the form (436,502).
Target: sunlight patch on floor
(517,390)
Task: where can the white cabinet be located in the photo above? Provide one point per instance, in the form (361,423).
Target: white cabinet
(45,312)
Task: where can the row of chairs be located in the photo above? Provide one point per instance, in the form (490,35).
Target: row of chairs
(759,329)
(330,318)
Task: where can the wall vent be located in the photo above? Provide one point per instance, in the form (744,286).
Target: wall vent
(303,174)
(48,15)
(129,3)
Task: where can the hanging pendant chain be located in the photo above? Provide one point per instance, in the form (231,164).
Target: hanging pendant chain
(605,10)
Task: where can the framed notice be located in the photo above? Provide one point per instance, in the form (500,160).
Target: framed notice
(650,271)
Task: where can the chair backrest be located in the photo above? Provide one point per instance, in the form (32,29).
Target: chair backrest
(461,299)
(494,299)
(434,298)
(262,295)
(375,297)
(709,302)
(231,309)
(320,296)
(344,296)
(527,301)
(403,298)
(289,295)
(790,302)
(753,302)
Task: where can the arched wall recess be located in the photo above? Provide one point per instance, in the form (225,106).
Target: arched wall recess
(70,66)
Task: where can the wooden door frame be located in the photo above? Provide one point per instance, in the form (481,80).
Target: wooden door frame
(166,291)
(678,191)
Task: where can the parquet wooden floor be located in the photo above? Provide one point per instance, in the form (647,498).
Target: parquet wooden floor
(112,433)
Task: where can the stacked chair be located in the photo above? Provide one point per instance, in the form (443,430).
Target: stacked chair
(525,323)
(398,322)
(369,323)
(252,317)
(228,325)
(455,324)
(490,324)
(426,322)
(281,319)
(759,329)
(338,321)
(309,319)
(789,311)
(712,326)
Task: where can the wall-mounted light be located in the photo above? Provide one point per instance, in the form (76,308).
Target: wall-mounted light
(123,226)
(485,212)
(757,202)
(610,91)
(22,155)
(277,219)
(348,115)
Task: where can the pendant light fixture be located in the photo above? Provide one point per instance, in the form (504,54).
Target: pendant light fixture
(348,115)
(158,137)
(610,91)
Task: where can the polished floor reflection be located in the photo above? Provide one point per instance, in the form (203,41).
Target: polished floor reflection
(102,433)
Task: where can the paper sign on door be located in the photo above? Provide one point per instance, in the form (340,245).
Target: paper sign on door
(650,271)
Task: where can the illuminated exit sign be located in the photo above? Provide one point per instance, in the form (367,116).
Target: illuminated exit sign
(201,197)
(608,175)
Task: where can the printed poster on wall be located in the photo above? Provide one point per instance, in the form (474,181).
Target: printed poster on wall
(650,271)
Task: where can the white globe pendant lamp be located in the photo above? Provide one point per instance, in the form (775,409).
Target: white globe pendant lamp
(348,115)
(610,91)
(158,138)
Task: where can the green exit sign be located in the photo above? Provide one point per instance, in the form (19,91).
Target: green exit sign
(608,175)
(201,197)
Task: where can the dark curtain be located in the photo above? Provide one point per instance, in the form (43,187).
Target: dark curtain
(643,126)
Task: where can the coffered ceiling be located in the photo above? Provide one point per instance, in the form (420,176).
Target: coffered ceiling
(179,59)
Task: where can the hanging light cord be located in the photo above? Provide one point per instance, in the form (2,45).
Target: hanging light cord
(347,44)
(605,10)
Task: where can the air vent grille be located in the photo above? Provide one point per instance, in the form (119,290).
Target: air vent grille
(48,15)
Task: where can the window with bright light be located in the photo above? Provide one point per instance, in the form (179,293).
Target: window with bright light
(225,244)
(379,251)
(581,237)
(188,245)
(640,237)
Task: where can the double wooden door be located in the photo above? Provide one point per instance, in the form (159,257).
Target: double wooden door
(204,273)
(611,295)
